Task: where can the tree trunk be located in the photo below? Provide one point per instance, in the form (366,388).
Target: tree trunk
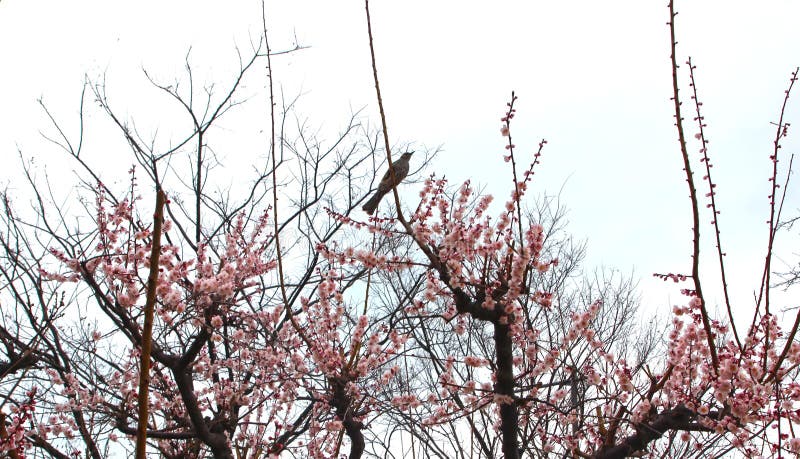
(509,414)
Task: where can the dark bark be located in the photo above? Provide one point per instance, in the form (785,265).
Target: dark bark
(344,405)
(678,418)
(40,442)
(509,414)
(216,441)
(18,362)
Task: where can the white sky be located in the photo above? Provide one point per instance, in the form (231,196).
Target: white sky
(593,79)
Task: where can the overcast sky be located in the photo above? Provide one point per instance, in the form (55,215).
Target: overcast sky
(593,78)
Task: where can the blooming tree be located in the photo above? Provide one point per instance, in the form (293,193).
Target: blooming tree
(286,325)
(255,350)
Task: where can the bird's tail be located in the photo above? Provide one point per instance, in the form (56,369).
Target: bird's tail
(373,202)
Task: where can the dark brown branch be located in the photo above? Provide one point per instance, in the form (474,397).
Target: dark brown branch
(679,418)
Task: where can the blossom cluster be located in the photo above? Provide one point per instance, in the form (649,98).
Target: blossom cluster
(252,359)
(15,431)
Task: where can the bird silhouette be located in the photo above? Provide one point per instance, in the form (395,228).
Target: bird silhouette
(400,168)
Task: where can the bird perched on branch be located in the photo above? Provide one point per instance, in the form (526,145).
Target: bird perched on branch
(400,168)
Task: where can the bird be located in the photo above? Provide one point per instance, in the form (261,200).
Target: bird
(400,168)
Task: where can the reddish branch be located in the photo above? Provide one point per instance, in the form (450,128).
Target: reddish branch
(712,197)
(147,333)
(687,167)
(781,131)
(774,217)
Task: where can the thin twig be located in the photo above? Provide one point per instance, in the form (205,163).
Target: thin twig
(698,291)
(282,281)
(713,205)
